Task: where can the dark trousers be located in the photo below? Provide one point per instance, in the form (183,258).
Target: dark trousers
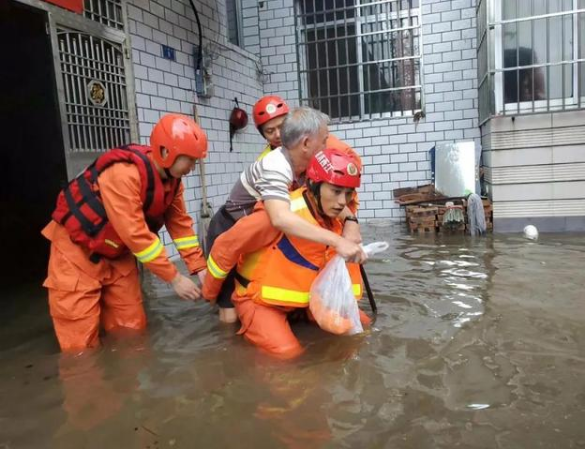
(221,222)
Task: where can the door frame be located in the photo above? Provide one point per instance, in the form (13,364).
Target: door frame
(57,16)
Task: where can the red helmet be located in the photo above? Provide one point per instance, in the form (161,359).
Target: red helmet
(238,119)
(338,144)
(181,136)
(334,167)
(267,108)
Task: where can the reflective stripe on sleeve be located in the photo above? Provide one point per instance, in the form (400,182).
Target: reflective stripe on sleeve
(214,269)
(186,242)
(150,253)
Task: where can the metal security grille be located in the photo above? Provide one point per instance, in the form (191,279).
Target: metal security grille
(531,56)
(94,83)
(107,12)
(360,59)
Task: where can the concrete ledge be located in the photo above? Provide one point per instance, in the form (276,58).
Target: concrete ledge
(544,224)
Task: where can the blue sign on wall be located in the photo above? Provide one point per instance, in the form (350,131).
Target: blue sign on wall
(168,52)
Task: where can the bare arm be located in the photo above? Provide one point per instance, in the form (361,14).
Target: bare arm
(351,229)
(283,219)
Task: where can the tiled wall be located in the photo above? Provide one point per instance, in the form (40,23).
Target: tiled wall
(395,151)
(164,86)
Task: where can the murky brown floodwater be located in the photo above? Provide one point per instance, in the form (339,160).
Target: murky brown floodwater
(480,343)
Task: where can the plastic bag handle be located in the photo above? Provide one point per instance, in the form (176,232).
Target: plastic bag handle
(375,247)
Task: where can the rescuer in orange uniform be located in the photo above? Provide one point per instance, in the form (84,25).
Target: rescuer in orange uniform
(275,271)
(108,217)
(269,112)
(304,132)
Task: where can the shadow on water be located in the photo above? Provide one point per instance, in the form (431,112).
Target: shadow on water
(478,344)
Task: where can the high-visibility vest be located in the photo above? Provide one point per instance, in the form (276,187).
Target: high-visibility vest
(266,150)
(81,211)
(282,274)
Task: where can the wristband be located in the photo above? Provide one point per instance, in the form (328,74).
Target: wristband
(351,218)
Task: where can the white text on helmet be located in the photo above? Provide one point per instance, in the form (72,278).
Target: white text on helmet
(324,162)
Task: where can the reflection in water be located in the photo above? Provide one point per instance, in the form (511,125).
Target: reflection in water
(478,343)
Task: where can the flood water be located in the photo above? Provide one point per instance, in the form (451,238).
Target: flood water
(479,343)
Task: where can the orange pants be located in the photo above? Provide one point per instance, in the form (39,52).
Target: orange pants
(79,301)
(268,328)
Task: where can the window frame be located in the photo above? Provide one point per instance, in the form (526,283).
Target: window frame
(239,22)
(357,21)
(572,102)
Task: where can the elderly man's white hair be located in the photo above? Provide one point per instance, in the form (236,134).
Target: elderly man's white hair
(301,123)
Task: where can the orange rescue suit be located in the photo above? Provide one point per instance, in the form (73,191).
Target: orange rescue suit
(282,274)
(82,292)
(274,273)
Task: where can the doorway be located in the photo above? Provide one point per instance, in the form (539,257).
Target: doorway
(33,162)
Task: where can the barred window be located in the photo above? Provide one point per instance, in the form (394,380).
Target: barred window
(106,12)
(538,61)
(234,22)
(359,59)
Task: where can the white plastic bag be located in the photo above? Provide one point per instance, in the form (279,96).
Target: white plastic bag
(332,302)
(375,247)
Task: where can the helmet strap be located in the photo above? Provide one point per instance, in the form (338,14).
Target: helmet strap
(315,188)
(168,173)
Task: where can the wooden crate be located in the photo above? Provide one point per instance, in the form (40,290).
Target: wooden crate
(403,191)
(422,228)
(429,219)
(429,188)
(420,214)
(425,219)
(426,189)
